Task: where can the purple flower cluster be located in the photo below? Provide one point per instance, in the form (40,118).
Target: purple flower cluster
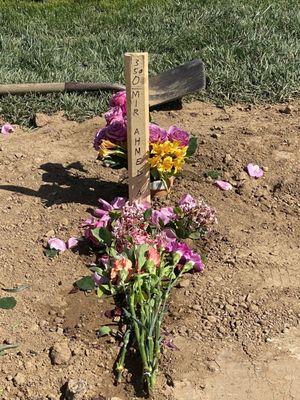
(116,126)
(199,214)
(187,255)
(173,134)
(138,223)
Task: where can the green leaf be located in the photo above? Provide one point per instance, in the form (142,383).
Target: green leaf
(195,235)
(141,250)
(103,235)
(193,144)
(147,214)
(96,269)
(16,289)
(8,302)
(104,331)
(85,283)
(214,174)
(51,253)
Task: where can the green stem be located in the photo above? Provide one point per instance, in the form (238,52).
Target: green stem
(120,363)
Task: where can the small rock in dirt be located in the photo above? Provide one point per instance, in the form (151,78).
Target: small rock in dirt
(184,283)
(212,367)
(211,319)
(197,307)
(19,379)
(75,389)
(227,159)
(115,398)
(19,155)
(253,308)
(221,329)
(229,308)
(242,176)
(215,135)
(230,301)
(49,234)
(60,353)
(286,110)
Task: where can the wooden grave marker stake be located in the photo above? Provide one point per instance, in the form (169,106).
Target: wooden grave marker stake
(137,104)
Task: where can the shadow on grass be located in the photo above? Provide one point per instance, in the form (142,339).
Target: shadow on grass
(62,186)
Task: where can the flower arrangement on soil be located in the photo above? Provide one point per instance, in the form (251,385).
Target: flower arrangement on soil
(141,254)
(169,149)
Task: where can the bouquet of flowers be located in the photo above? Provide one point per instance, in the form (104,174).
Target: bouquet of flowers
(141,255)
(169,149)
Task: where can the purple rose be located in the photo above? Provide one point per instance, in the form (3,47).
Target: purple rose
(119,100)
(116,131)
(100,135)
(157,134)
(114,114)
(177,134)
(164,215)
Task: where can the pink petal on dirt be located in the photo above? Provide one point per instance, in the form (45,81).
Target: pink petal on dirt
(254,171)
(57,244)
(72,242)
(6,129)
(224,185)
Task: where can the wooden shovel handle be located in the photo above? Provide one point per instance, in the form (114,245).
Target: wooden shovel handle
(57,87)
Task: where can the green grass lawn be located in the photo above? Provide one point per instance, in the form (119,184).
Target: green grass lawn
(250,48)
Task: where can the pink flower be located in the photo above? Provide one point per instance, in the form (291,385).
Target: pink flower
(118,203)
(188,200)
(57,244)
(114,114)
(224,185)
(177,134)
(119,100)
(153,255)
(196,260)
(157,134)
(254,171)
(6,129)
(116,131)
(164,216)
(72,242)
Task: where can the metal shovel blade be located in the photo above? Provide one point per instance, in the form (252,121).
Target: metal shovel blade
(176,83)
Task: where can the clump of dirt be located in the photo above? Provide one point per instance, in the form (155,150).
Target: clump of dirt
(235,327)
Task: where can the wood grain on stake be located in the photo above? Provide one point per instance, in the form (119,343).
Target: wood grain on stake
(137,103)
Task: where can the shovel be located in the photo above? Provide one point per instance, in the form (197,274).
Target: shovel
(163,88)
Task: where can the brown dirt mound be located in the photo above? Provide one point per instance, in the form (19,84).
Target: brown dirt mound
(236,325)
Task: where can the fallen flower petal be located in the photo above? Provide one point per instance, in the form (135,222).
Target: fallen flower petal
(72,242)
(57,244)
(6,129)
(224,185)
(254,171)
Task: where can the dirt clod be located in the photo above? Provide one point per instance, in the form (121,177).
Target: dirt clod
(60,353)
